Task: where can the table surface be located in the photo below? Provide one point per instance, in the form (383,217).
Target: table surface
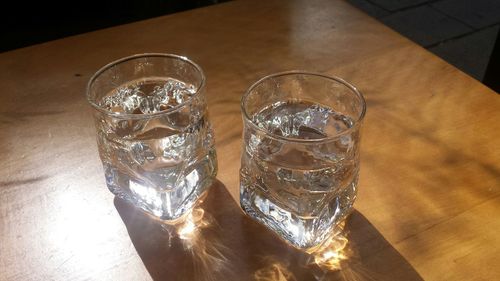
(429,189)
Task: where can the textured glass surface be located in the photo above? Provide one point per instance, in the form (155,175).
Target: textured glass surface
(153,134)
(300,160)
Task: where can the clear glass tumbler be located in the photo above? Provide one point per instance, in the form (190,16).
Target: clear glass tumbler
(300,158)
(153,133)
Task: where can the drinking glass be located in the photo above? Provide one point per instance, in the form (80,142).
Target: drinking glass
(153,133)
(300,157)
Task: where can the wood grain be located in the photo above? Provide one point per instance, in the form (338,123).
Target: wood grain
(430,180)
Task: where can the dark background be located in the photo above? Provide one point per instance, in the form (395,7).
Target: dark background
(27,23)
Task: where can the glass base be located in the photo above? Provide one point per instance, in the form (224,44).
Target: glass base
(303,232)
(166,204)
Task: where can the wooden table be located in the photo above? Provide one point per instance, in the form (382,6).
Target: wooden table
(428,202)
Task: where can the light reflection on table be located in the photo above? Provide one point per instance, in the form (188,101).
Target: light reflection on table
(217,241)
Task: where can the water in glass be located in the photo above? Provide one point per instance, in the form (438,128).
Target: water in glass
(293,181)
(162,162)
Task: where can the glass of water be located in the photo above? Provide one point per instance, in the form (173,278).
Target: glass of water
(300,158)
(153,133)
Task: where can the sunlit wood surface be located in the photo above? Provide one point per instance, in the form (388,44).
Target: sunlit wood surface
(428,204)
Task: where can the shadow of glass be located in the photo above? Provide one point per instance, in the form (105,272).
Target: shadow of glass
(217,241)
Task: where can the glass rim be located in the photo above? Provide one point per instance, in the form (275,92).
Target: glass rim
(351,87)
(144,115)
